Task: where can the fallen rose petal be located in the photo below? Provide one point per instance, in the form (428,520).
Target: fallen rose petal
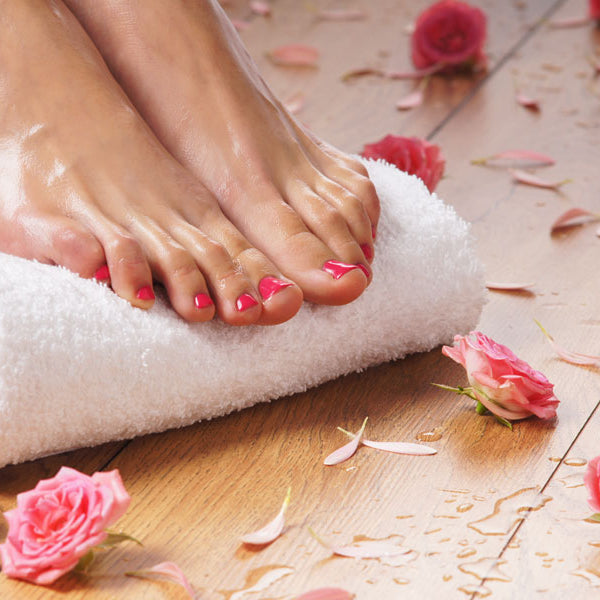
(363,549)
(341,15)
(573,216)
(508,287)
(528,102)
(530,179)
(295,103)
(569,22)
(345,452)
(575,358)
(272,530)
(168,570)
(413,100)
(526,156)
(326,594)
(395,447)
(294,55)
(260,8)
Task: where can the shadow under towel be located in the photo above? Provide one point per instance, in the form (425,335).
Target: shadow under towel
(79,366)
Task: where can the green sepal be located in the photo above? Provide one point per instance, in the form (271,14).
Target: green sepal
(85,562)
(117,538)
(457,390)
(480,409)
(595,517)
(504,422)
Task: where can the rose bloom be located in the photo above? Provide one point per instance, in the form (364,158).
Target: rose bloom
(506,385)
(592,482)
(413,155)
(449,33)
(58,522)
(595,9)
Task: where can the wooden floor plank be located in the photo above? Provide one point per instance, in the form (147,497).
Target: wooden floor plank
(196,490)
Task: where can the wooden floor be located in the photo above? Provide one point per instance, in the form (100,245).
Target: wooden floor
(495,513)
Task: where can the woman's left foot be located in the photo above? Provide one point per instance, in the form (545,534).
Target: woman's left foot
(307,206)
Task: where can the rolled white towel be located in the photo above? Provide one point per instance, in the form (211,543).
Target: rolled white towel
(79,366)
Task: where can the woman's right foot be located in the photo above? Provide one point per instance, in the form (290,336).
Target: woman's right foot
(85,184)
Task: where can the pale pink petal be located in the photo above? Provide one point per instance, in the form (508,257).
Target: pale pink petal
(574,216)
(240,25)
(395,447)
(526,156)
(295,55)
(575,358)
(326,594)
(295,103)
(260,8)
(271,531)
(168,570)
(528,102)
(534,180)
(342,14)
(413,100)
(509,287)
(569,22)
(345,452)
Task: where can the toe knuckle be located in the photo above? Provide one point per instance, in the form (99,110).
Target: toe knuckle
(125,250)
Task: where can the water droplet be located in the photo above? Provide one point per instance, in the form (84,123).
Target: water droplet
(258,580)
(463,543)
(447,577)
(554,459)
(541,554)
(514,544)
(353,468)
(480,498)
(444,540)
(450,500)
(576,462)
(509,511)
(405,516)
(371,581)
(487,568)
(456,491)
(466,553)
(590,576)
(432,435)
(478,591)
(401,580)
(594,544)
(430,531)
(461,508)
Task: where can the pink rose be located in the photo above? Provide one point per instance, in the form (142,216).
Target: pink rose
(58,522)
(449,33)
(506,385)
(594,9)
(413,155)
(592,482)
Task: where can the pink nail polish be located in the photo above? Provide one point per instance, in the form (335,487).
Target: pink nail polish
(244,302)
(367,251)
(202,301)
(364,270)
(271,285)
(102,274)
(337,268)
(145,293)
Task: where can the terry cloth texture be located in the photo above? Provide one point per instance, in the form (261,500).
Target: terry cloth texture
(79,366)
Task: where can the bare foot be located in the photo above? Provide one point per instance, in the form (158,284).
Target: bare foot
(84,183)
(300,202)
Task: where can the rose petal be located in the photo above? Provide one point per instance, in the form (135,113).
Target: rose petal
(168,570)
(271,531)
(294,55)
(345,452)
(395,447)
(526,156)
(534,180)
(508,287)
(260,8)
(574,216)
(295,103)
(326,594)
(413,100)
(569,22)
(341,15)
(528,102)
(575,358)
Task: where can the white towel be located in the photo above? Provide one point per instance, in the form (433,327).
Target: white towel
(79,366)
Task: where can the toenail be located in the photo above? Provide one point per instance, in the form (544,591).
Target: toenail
(363,269)
(244,302)
(102,274)
(270,285)
(145,293)
(367,251)
(202,301)
(337,268)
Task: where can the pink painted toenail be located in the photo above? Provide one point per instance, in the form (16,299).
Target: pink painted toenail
(337,268)
(244,302)
(202,301)
(102,274)
(145,293)
(367,251)
(270,285)
(364,270)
